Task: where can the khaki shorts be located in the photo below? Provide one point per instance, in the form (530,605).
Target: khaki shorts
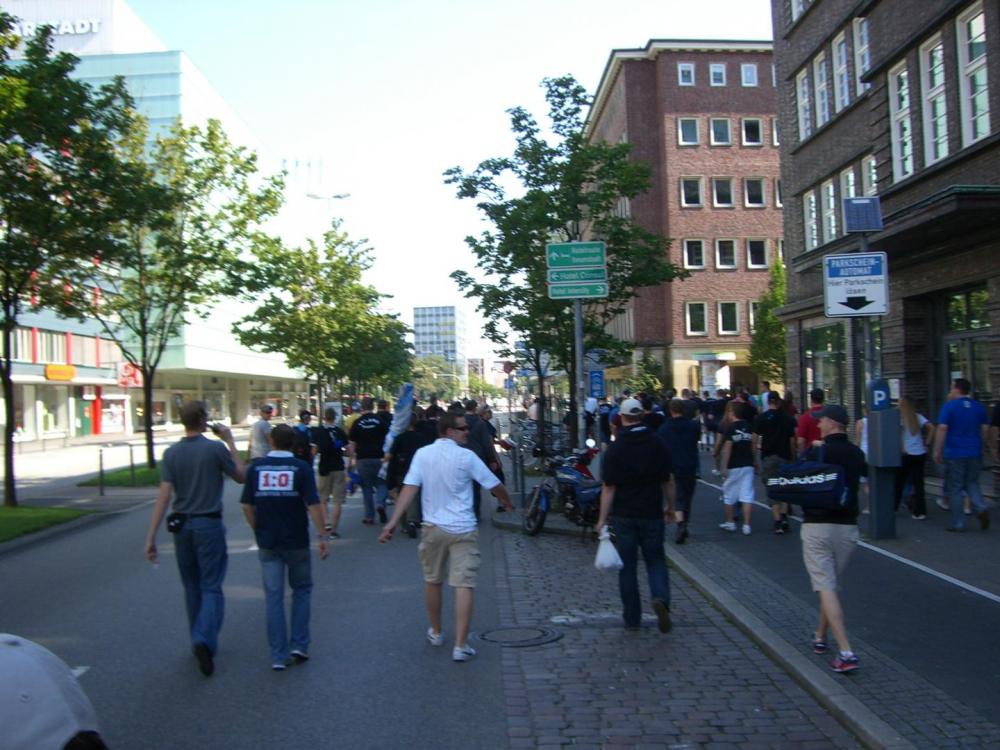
(826,548)
(333,485)
(458,553)
(769,468)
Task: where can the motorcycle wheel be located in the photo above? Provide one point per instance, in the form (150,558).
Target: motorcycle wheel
(534,516)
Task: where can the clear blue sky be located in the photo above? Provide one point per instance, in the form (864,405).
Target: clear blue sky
(390,93)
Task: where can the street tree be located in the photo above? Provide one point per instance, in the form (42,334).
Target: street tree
(376,353)
(62,190)
(768,345)
(647,377)
(556,187)
(181,258)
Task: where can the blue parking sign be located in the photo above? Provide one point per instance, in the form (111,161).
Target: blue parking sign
(596,379)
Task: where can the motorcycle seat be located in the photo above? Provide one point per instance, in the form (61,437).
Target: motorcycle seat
(589,484)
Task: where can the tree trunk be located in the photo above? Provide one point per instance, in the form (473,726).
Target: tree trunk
(147,400)
(9,486)
(541,412)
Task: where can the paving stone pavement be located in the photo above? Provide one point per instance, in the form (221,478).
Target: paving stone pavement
(919,711)
(705,685)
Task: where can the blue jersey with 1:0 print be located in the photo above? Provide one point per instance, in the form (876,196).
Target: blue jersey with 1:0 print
(280,486)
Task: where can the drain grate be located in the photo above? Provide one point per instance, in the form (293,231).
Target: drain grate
(520,637)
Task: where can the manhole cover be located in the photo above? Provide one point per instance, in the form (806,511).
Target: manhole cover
(520,637)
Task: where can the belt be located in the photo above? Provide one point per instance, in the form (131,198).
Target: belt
(217,514)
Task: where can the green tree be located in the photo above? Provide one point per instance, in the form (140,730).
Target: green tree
(567,189)
(768,346)
(482,390)
(433,374)
(62,189)
(180,258)
(647,377)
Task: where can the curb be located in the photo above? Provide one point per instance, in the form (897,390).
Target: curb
(872,731)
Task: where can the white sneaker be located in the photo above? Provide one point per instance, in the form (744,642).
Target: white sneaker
(746,529)
(727,526)
(435,639)
(462,653)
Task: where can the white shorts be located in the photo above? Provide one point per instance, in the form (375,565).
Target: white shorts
(738,487)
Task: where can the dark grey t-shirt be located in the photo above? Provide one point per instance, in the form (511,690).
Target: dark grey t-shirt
(195,466)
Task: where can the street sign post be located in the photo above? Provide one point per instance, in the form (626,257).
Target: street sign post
(575,254)
(576,275)
(856,285)
(578,291)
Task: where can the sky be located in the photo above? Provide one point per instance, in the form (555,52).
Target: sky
(388,94)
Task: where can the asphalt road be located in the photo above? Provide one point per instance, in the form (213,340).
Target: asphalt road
(373,681)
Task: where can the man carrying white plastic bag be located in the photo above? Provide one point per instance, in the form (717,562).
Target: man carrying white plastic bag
(636,505)
(607,556)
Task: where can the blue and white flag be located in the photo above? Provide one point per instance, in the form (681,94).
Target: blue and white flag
(400,417)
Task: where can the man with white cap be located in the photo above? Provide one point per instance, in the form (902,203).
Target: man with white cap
(42,706)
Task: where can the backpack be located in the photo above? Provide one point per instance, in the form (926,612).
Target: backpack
(810,484)
(301,447)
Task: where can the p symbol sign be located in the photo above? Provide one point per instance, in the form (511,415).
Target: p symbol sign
(878,395)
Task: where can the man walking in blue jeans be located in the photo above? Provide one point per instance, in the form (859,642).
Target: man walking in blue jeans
(367,437)
(193,472)
(635,473)
(279,491)
(961,432)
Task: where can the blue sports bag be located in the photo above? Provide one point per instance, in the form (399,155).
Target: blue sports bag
(810,484)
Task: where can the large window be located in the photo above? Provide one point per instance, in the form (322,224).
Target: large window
(825,353)
(862,54)
(810,220)
(748,74)
(685,74)
(83,350)
(717,74)
(753,192)
(841,75)
(721,135)
(52,347)
(691,191)
(694,253)
(687,131)
(696,318)
(21,341)
(779,200)
(722,192)
(729,318)
(869,175)
(935,108)
(821,82)
(753,131)
(901,134)
(798,8)
(725,254)
(848,187)
(756,253)
(975,102)
(828,201)
(803,96)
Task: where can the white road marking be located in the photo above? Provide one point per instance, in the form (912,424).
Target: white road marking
(898,558)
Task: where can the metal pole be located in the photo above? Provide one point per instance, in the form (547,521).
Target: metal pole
(100,471)
(131,463)
(580,380)
(870,366)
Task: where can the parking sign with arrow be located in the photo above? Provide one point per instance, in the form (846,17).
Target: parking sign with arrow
(856,284)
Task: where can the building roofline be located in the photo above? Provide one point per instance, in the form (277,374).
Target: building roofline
(652,49)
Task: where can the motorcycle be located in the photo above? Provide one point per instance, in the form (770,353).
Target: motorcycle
(568,485)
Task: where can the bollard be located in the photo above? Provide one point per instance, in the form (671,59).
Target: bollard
(100,471)
(131,463)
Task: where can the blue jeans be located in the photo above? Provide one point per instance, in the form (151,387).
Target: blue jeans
(273,564)
(373,490)
(630,535)
(961,475)
(201,560)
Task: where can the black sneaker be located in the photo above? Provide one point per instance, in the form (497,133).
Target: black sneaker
(381,514)
(682,533)
(204,656)
(784,525)
(778,528)
(299,657)
(662,615)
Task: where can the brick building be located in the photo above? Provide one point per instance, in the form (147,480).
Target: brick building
(702,114)
(895,98)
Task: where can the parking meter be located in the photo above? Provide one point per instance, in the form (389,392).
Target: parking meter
(884,457)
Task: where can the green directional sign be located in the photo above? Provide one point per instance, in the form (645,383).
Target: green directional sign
(575,254)
(578,291)
(576,275)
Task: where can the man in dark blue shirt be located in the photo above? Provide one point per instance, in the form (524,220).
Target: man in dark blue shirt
(681,434)
(279,491)
(961,434)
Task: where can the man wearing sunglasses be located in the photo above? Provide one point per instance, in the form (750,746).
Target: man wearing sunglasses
(444,472)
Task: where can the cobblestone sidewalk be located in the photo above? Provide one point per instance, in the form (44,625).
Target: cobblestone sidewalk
(704,685)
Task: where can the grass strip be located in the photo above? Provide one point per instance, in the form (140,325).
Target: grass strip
(144,477)
(15,522)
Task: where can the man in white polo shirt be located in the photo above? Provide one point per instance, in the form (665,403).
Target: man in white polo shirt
(444,472)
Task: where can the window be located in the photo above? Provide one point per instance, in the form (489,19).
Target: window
(810,220)
(694,254)
(685,74)
(21,345)
(722,191)
(974,93)
(828,205)
(803,97)
(798,8)
(862,54)
(687,131)
(901,135)
(52,347)
(717,74)
(748,74)
(935,110)
(84,350)
(822,85)
(690,191)
(725,253)
(753,307)
(841,76)
(869,176)
(774,133)
(848,187)
(108,353)
(779,201)
(720,132)
(753,132)
(696,317)
(756,253)
(729,318)
(781,250)
(753,192)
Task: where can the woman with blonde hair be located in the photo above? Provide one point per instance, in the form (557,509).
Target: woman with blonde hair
(917,433)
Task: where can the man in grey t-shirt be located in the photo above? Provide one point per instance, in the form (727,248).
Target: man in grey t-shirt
(192,473)
(259,445)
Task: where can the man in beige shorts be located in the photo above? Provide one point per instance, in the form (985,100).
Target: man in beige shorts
(443,472)
(331,441)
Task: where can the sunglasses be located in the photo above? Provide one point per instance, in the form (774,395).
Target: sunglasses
(463,428)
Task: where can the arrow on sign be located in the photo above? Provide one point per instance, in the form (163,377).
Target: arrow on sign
(856,303)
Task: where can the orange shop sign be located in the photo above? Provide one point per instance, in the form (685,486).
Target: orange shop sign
(60,372)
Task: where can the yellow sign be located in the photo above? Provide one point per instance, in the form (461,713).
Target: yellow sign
(60,372)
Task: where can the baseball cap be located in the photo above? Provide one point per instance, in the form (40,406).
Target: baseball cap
(267,407)
(356,406)
(42,706)
(631,407)
(304,414)
(836,412)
